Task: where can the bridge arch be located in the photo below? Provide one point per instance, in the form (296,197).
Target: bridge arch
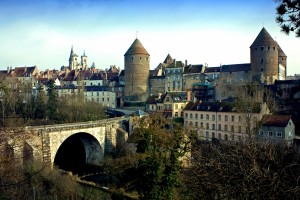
(77,151)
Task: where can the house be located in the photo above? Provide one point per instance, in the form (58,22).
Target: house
(278,128)
(171,104)
(192,74)
(222,120)
(100,94)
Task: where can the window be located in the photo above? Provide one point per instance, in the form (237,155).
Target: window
(240,118)
(207,125)
(279,134)
(213,117)
(107,99)
(196,116)
(226,137)
(196,124)
(261,48)
(290,123)
(207,116)
(240,138)
(226,118)
(213,126)
(270,133)
(220,136)
(191,116)
(232,137)
(219,127)
(186,115)
(232,118)
(226,128)
(176,114)
(219,117)
(232,128)
(201,125)
(213,135)
(261,133)
(207,135)
(240,129)
(201,116)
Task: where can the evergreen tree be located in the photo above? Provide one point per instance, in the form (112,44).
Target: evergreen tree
(40,101)
(288,16)
(52,105)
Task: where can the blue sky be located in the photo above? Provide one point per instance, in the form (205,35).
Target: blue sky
(214,32)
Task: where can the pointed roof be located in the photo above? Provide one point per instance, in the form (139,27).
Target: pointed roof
(168,59)
(264,39)
(136,48)
(72,52)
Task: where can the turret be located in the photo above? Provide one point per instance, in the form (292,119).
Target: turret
(137,65)
(265,56)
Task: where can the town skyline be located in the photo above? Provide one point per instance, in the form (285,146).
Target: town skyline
(42,33)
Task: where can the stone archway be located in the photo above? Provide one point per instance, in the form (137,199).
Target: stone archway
(77,152)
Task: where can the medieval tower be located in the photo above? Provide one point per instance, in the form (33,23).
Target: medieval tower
(74,62)
(136,68)
(84,61)
(268,61)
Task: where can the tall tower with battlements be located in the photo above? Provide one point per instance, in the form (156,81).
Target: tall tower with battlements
(136,68)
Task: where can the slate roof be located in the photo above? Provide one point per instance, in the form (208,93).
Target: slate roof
(193,69)
(235,67)
(279,82)
(175,64)
(122,73)
(212,69)
(216,106)
(264,39)
(136,48)
(168,59)
(139,113)
(96,88)
(177,96)
(97,76)
(276,120)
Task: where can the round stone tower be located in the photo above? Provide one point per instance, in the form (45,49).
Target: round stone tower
(265,54)
(136,68)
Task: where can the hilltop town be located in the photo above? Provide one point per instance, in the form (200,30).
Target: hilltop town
(202,97)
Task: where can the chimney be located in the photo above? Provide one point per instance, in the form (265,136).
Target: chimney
(8,70)
(188,95)
(185,62)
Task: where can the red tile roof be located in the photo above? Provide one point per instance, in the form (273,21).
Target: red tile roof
(276,120)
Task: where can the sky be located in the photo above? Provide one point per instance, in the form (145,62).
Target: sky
(42,32)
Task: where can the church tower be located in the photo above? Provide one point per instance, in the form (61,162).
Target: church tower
(73,60)
(84,61)
(136,68)
(268,61)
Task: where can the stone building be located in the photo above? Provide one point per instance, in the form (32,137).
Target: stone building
(222,120)
(74,61)
(268,61)
(136,69)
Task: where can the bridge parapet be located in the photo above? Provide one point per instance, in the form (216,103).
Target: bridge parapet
(72,126)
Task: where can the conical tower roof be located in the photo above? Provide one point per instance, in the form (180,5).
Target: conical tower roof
(264,39)
(136,48)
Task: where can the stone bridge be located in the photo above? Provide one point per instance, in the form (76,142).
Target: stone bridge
(68,145)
